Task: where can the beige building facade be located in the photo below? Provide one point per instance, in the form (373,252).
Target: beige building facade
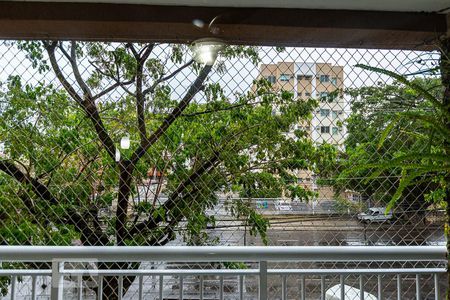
(322,81)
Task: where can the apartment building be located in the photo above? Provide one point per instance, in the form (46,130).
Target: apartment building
(322,81)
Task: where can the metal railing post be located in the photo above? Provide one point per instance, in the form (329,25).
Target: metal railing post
(379,288)
(436,287)
(161,287)
(221,288)
(263,280)
(57,280)
(181,295)
(80,287)
(361,288)
(201,287)
(13,287)
(140,291)
(322,287)
(120,290)
(100,288)
(241,287)
(418,288)
(284,287)
(302,287)
(33,288)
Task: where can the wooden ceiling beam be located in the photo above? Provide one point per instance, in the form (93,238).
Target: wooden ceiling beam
(249,26)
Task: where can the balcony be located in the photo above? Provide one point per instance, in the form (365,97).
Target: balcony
(206,272)
(191,91)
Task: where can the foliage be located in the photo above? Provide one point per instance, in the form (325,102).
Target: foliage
(345,206)
(60,180)
(397,134)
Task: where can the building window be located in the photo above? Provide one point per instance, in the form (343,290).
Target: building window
(334,80)
(307,94)
(324,78)
(285,77)
(335,130)
(304,77)
(299,94)
(334,114)
(324,129)
(323,96)
(272,79)
(324,112)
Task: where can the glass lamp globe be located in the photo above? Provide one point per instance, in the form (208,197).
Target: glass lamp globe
(205,51)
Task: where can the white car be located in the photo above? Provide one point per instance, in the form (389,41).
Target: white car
(350,293)
(375,214)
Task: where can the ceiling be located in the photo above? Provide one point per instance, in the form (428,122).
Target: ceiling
(442,6)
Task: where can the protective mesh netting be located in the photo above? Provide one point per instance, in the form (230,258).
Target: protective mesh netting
(138,144)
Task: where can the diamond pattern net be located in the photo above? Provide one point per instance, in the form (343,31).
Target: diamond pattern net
(138,144)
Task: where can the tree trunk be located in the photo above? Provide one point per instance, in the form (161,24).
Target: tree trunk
(126,171)
(111,283)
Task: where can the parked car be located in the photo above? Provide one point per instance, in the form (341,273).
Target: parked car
(375,214)
(350,293)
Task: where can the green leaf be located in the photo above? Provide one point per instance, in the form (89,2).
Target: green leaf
(406,82)
(387,130)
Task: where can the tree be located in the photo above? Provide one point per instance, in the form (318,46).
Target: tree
(60,169)
(427,159)
(376,109)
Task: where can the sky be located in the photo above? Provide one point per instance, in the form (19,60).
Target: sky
(241,72)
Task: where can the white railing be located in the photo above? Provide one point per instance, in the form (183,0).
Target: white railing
(256,259)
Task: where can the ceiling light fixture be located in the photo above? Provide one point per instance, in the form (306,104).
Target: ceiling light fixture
(205,51)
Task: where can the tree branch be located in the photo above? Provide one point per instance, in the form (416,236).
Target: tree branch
(162,79)
(117,80)
(140,96)
(133,50)
(145,52)
(107,142)
(90,236)
(63,159)
(64,52)
(38,188)
(175,196)
(87,103)
(111,88)
(177,111)
(76,71)
(50,47)
(219,109)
